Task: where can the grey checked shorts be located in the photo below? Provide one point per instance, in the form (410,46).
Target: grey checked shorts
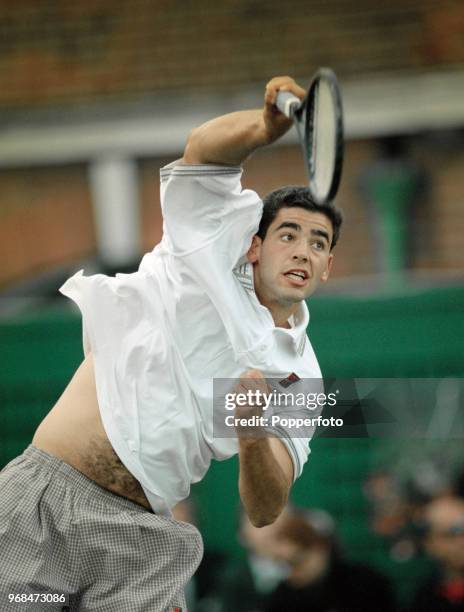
(60,533)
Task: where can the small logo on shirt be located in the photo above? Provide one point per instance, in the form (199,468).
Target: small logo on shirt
(291,378)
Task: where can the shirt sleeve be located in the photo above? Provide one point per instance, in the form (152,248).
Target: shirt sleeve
(205,204)
(296,411)
(299,450)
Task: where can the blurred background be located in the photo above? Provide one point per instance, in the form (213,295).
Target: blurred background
(96,96)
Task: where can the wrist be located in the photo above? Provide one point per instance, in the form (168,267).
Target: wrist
(262,135)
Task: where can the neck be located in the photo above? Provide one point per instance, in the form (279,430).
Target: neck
(281,320)
(281,314)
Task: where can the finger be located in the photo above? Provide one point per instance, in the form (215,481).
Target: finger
(272,88)
(279,81)
(252,385)
(253,380)
(284,83)
(270,95)
(295,89)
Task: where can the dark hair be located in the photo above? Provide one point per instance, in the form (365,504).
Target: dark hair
(292,196)
(308,528)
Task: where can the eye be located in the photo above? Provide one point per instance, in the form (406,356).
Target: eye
(287,237)
(319,245)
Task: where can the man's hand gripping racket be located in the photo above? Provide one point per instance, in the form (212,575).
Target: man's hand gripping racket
(318,119)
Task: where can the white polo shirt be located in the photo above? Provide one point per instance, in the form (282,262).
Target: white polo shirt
(188,315)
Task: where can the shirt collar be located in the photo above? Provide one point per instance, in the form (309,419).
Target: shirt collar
(244,274)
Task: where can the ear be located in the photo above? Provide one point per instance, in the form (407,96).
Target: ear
(254,251)
(326,273)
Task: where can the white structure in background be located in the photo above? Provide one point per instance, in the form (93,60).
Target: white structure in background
(114,188)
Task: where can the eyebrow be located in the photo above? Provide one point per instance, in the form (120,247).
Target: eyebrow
(297,227)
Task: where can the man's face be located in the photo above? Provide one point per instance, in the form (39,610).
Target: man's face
(294,257)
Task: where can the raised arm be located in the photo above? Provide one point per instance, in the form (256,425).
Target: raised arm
(230,139)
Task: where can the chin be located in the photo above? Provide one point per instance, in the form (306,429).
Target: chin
(295,294)
(288,299)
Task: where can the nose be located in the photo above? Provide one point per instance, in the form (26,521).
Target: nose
(300,255)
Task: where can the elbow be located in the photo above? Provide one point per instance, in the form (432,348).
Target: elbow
(264,511)
(263,517)
(262,521)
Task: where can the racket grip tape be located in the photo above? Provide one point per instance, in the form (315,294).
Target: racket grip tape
(287,103)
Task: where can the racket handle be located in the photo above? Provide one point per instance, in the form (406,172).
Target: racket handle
(287,103)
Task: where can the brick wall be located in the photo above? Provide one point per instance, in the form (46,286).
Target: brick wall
(71,55)
(65,54)
(46,220)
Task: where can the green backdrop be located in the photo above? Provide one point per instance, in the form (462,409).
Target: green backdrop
(415,335)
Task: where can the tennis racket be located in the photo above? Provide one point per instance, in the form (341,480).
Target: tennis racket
(319,123)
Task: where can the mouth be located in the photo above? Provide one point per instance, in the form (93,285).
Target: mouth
(297,276)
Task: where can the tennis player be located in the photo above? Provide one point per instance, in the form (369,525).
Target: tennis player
(85,510)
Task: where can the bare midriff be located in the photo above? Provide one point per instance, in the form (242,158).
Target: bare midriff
(73,431)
